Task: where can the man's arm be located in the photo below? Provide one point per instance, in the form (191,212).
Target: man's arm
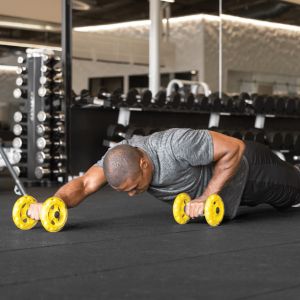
(228,152)
(75,191)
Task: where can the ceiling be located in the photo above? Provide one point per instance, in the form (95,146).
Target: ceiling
(113,11)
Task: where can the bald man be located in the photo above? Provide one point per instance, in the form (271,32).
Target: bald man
(198,162)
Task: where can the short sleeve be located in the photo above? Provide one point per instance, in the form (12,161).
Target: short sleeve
(193,146)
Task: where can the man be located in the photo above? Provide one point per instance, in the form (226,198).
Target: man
(198,162)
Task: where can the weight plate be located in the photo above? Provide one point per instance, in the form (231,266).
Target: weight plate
(214,210)
(19,213)
(178,208)
(54,214)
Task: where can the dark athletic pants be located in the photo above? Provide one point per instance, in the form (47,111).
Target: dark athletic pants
(270,180)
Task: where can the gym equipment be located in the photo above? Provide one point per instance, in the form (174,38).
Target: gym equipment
(19,117)
(54,213)
(275,140)
(161,99)
(20,93)
(45,171)
(213,209)
(21,81)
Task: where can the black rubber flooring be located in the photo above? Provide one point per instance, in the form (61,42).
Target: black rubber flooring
(117,247)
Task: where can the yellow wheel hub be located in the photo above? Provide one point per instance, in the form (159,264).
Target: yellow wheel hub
(214,210)
(54,214)
(178,208)
(19,213)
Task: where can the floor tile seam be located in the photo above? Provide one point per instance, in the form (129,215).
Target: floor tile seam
(160,262)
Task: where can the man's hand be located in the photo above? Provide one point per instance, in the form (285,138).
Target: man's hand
(195,208)
(34,211)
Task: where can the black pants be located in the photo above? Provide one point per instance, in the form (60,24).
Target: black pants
(270,180)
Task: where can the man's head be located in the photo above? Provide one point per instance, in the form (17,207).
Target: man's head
(128,169)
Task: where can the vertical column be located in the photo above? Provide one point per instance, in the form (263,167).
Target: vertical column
(154,46)
(66,43)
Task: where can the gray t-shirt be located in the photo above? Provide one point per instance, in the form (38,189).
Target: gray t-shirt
(182,160)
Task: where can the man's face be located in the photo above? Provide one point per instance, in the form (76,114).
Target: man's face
(136,185)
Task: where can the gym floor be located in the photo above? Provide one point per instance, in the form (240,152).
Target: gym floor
(118,247)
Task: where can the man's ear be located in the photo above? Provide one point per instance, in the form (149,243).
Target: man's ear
(143,164)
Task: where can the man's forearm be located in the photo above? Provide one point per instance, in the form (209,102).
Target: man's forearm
(224,169)
(72,193)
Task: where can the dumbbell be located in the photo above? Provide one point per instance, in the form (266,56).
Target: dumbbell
(41,129)
(21,70)
(269,105)
(45,171)
(160,99)
(134,99)
(288,141)
(53,215)
(275,140)
(260,137)
(133,130)
(248,136)
(42,116)
(20,117)
(215,102)
(174,100)
(19,129)
(116,132)
(189,103)
(237,134)
(213,209)
(257,102)
(20,157)
(43,142)
(21,81)
(202,103)
(19,142)
(279,105)
(21,59)
(240,102)
(45,157)
(20,93)
(291,106)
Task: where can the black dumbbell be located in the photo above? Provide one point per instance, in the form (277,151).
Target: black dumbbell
(258,103)
(174,100)
(202,103)
(160,99)
(260,137)
(248,135)
(275,140)
(291,106)
(269,105)
(215,102)
(237,134)
(288,141)
(279,105)
(116,132)
(133,130)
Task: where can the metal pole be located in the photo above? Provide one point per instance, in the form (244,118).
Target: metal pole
(220,49)
(11,170)
(154,46)
(66,44)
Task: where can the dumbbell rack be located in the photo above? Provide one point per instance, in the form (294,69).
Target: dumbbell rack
(39,127)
